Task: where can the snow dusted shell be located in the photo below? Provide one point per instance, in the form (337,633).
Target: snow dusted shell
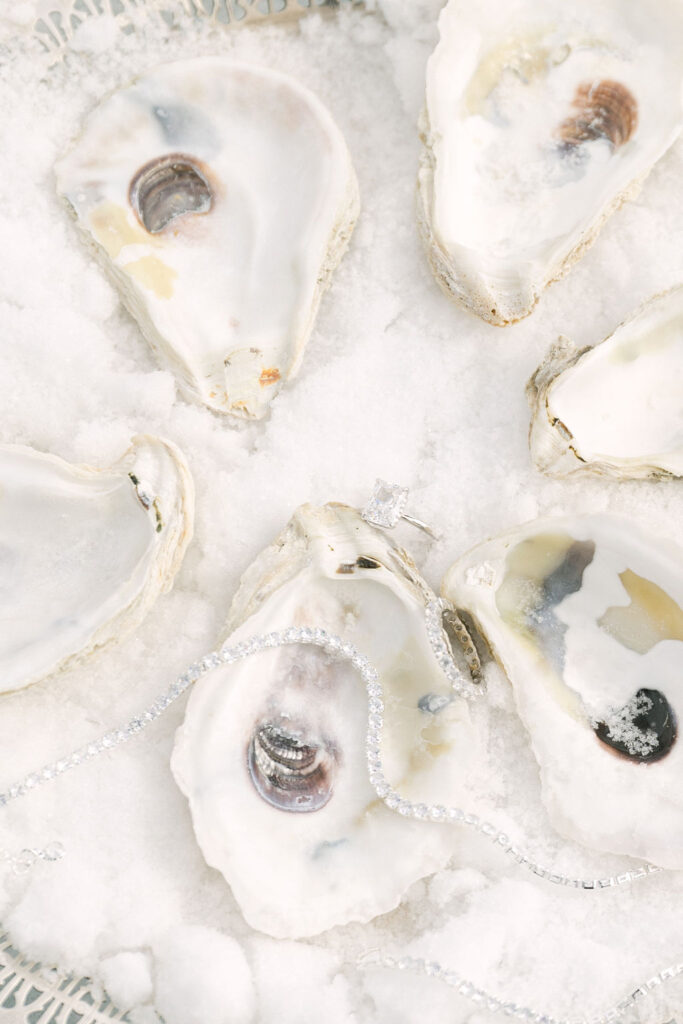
(540,120)
(616,408)
(272,751)
(84,552)
(585,615)
(221,197)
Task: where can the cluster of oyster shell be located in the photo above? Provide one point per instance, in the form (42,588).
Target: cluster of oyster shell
(538,123)
(220,197)
(536,128)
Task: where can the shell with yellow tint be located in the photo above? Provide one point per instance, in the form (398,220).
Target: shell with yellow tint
(540,120)
(221,197)
(585,615)
(272,757)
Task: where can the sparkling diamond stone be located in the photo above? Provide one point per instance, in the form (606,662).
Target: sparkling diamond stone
(386,505)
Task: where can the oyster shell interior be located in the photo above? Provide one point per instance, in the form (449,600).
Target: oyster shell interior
(84,552)
(539,121)
(272,751)
(220,197)
(616,408)
(585,615)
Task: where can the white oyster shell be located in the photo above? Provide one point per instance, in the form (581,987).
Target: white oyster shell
(84,552)
(221,196)
(540,120)
(585,615)
(299,873)
(616,408)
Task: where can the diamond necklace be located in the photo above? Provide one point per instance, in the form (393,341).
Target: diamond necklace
(337,646)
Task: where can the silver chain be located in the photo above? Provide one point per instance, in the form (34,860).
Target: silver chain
(485,1001)
(21,862)
(335,645)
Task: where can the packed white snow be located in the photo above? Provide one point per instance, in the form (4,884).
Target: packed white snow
(397,382)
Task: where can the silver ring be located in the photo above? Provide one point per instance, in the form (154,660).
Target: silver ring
(387,506)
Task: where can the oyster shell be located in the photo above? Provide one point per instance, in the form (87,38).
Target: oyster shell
(221,197)
(272,751)
(616,408)
(84,552)
(585,615)
(539,122)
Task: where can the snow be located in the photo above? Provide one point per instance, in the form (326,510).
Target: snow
(397,382)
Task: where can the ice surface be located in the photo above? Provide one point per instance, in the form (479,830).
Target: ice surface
(397,383)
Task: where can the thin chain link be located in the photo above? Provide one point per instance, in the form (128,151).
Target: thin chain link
(335,645)
(23,861)
(486,1001)
(391,797)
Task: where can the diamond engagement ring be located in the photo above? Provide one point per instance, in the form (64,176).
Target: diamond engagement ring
(387,506)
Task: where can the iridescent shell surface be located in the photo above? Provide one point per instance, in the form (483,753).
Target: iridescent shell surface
(272,751)
(220,197)
(539,121)
(585,615)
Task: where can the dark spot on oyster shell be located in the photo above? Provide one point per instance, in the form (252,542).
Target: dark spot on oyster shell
(644,730)
(363,562)
(290,770)
(167,188)
(604,110)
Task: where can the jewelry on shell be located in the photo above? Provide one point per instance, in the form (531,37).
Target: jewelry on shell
(386,508)
(385,513)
